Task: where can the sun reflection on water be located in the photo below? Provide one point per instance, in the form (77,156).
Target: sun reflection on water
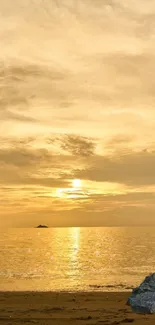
(75,237)
(74,234)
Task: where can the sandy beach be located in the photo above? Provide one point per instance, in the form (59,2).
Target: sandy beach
(68,309)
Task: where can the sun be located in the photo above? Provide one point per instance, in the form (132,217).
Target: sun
(76,183)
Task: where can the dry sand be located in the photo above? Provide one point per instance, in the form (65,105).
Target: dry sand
(68,309)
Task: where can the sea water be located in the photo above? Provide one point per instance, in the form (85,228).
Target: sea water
(75,259)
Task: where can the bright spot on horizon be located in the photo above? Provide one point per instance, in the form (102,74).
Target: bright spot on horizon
(76,183)
(59,192)
(75,191)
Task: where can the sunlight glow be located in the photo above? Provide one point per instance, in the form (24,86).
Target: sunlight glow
(76,183)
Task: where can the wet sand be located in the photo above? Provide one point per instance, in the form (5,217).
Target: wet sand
(95,308)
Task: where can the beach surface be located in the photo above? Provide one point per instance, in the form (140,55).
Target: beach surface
(92,308)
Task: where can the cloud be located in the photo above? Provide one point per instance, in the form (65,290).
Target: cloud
(73,81)
(23,162)
(123,65)
(71,156)
(78,145)
(77,96)
(20,157)
(15,178)
(7,115)
(19,90)
(28,151)
(120,142)
(133,169)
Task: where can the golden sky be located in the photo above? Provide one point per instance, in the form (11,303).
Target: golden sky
(77,116)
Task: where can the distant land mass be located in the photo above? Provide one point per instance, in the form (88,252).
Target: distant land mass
(42,226)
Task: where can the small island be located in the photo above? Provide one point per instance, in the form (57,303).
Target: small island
(42,226)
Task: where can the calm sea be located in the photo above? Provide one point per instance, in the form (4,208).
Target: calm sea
(73,259)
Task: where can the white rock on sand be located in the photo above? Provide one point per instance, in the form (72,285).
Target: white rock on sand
(142,299)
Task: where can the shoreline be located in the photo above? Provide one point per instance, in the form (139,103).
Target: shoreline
(68,308)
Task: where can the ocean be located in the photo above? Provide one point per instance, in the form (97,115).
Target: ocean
(75,259)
